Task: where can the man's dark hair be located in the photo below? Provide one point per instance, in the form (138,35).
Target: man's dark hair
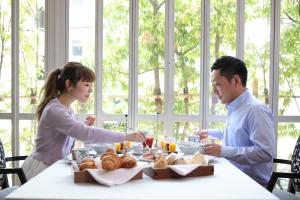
(230,66)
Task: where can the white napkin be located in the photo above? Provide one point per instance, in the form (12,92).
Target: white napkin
(116,177)
(183,169)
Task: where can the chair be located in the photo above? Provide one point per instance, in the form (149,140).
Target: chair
(4,171)
(293,176)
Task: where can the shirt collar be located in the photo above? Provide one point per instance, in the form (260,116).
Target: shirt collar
(239,100)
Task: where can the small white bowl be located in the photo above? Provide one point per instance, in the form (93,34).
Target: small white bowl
(100,147)
(188,148)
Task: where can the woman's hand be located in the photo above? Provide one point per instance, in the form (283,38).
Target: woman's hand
(90,120)
(136,137)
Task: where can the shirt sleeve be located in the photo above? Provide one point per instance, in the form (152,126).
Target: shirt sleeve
(260,126)
(65,123)
(217,133)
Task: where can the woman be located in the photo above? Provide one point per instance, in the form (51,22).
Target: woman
(57,125)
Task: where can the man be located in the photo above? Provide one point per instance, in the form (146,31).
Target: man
(249,136)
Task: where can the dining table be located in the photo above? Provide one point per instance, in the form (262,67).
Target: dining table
(227,182)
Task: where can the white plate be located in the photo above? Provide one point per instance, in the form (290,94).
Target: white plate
(211,159)
(141,158)
(136,153)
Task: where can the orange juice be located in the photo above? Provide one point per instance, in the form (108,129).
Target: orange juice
(162,144)
(172,147)
(118,147)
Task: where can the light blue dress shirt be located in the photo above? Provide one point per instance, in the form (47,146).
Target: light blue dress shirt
(249,137)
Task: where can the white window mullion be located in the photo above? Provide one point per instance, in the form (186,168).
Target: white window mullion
(15,77)
(99,61)
(204,63)
(287,119)
(66,30)
(133,64)
(56,34)
(169,66)
(240,28)
(274,59)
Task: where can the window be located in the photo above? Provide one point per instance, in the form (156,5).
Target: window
(21,66)
(152,62)
(257,47)
(76,48)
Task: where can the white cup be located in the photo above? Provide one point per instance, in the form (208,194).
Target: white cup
(201,148)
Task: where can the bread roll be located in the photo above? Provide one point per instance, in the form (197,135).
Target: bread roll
(171,159)
(89,160)
(160,163)
(199,158)
(87,165)
(127,161)
(180,161)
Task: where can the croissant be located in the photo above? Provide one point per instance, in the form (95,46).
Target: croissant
(127,161)
(105,154)
(110,161)
(87,164)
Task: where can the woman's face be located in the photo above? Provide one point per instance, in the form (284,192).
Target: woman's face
(81,91)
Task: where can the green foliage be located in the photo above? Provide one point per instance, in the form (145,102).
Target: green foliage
(288,129)
(115,59)
(151,55)
(289,55)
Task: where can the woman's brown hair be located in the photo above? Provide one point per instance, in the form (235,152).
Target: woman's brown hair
(55,83)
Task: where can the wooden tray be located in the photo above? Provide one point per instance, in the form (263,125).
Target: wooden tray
(167,173)
(85,177)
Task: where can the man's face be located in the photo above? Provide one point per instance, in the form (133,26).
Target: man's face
(222,87)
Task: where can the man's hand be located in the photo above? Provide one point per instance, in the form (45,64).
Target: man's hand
(90,120)
(213,149)
(203,134)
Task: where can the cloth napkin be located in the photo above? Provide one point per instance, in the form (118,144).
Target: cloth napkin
(183,169)
(116,177)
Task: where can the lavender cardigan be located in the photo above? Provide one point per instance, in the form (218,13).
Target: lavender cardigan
(58,129)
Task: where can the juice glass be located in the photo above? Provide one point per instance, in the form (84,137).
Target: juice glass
(172,147)
(149,141)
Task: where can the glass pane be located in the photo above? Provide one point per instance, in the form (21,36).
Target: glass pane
(31,53)
(82,32)
(28,133)
(217,125)
(5,136)
(151,57)
(5,58)
(82,42)
(153,128)
(287,136)
(115,56)
(115,126)
(289,79)
(182,129)
(87,107)
(222,40)
(187,54)
(257,47)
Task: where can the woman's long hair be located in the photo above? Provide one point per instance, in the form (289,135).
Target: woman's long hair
(55,83)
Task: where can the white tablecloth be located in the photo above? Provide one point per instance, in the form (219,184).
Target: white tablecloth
(228,182)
